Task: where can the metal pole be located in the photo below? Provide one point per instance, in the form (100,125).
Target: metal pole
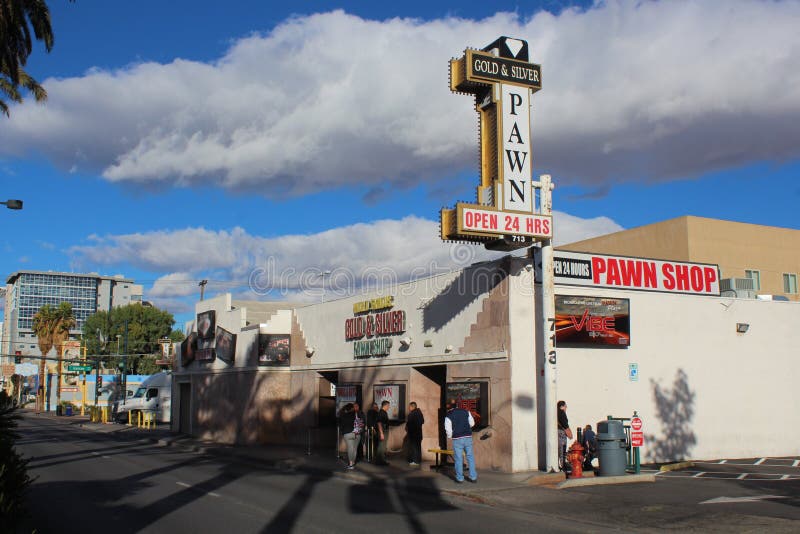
(548,325)
(125,367)
(96,378)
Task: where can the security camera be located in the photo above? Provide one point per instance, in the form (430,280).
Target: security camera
(310,351)
(406,341)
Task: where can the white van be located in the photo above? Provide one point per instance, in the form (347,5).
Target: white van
(155,393)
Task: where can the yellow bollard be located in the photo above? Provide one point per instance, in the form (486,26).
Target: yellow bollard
(139,419)
(105,414)
(149,420)
(129,418)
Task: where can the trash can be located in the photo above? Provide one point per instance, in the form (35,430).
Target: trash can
(611,448)
(69,411)
(58,409)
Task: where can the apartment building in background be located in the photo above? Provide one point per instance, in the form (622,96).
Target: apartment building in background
(28,291)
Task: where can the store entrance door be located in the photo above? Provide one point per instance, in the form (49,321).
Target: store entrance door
(326,412)
(428,390)
(185,408)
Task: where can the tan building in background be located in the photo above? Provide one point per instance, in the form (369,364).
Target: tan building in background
(767,254)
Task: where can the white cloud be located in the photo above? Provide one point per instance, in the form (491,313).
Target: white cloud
(632,90)
(291,266)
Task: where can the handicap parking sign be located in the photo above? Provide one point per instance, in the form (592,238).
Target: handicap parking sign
(633,372)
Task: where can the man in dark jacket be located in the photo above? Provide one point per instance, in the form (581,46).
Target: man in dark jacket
(458,426)
(347,428)
(382,433)
(414,423)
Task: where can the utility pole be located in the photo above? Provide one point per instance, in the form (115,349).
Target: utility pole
(202,285)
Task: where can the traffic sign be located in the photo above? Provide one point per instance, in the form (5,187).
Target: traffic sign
(636,423)
(83,368)
(637,438)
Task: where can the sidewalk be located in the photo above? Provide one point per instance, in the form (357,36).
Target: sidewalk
(323,463)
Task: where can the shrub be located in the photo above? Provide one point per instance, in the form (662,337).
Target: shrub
(14,479)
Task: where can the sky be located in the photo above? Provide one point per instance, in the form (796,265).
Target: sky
(259,144)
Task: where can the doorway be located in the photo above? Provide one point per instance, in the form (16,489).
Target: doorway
(185,414)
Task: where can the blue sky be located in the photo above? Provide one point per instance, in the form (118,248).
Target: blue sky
(188,140)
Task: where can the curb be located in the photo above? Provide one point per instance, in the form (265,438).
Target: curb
(676,466)
(606,481)
(547,479)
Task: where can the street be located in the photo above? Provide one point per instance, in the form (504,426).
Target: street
(90,482)
(95,482)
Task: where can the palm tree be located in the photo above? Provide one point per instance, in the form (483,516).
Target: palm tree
(51,326)
(20,22)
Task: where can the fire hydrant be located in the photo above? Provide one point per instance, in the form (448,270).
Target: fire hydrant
(575,458)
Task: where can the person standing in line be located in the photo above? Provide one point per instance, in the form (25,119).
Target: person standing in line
(564,434)
(589,445)
(414,423)
(372,430)
(358,428)
(383,433)
(458,426)
(347,429)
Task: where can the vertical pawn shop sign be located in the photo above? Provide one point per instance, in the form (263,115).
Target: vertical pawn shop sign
(506,215)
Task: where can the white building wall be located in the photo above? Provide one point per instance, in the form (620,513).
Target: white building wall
(704,390)
(450,314)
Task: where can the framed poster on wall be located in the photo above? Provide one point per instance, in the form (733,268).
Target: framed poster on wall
(346,393)
(396,395)
(205,351)
(225,345)
(473,397)
(273,349)
(206,322)
(592,321)
(188,349)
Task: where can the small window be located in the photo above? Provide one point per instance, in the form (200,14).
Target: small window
(152,393)
(789,283)
(755,276)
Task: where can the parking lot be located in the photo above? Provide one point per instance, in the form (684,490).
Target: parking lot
(743,469)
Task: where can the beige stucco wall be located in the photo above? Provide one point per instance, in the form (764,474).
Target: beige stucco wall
(733,246)
(704,390)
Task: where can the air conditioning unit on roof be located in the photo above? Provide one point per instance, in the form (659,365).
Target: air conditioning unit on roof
(740,288)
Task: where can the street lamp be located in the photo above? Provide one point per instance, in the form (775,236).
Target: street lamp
(118,338)
(13,204)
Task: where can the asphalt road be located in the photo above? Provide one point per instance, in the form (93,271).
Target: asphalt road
(96,482)
(92,482)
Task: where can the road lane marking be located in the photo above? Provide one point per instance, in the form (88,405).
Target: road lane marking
(784,477)
(795,463)
(104,456)
(760,461)
(184,484)
(751,498)
(211,493)
(723,461)
(742,476)
(698,475)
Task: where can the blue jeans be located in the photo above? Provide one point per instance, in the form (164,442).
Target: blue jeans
(463,446)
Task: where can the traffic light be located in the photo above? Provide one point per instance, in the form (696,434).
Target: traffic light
(99,383)
(18,357)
